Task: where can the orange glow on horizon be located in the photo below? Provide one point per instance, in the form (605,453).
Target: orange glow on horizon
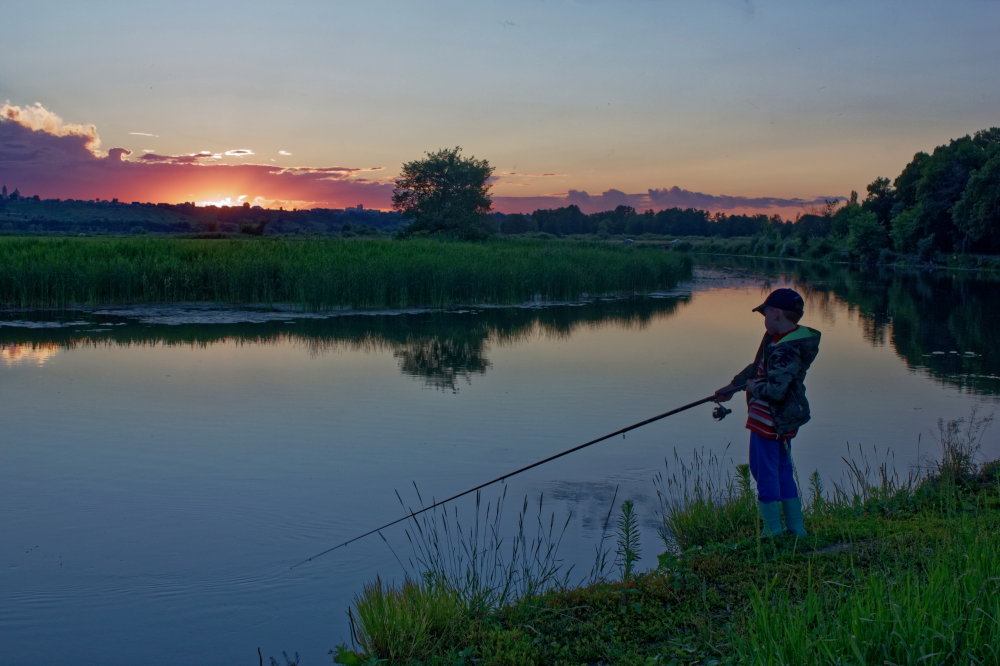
(225,201)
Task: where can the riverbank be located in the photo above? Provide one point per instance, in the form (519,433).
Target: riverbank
(894,571)
(824,250)
(323,274)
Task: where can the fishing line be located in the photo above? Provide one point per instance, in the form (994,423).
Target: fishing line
(718,413)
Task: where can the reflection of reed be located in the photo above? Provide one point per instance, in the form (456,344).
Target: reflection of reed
(440,347)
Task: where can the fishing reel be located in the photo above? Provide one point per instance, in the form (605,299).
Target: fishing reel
(720,412)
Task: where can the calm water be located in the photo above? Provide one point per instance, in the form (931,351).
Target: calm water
(161,470)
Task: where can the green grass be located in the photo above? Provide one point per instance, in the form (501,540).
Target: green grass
(895,571)
(942,607)
(63,272)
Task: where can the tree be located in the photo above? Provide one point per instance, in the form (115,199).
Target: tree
(865,236)
(941,184)
(880,200)
(977,212)
(517,223)
(445,194)
(561,221)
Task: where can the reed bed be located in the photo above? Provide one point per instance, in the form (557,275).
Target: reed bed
(322,274)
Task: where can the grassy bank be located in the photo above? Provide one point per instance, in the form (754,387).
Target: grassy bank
(59,272)
(825,250)
(896,571)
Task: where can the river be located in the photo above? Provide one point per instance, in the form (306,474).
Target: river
(163,469)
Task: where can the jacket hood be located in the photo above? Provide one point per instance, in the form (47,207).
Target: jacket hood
(806,340)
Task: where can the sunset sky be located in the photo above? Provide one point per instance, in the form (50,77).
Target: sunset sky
(731,105)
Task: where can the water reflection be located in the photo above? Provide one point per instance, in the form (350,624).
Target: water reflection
(939,323)
(22,353)
(444,349)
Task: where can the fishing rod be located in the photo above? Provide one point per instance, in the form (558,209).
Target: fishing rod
(718,414)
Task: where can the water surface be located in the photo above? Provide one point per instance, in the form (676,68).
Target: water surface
(162,469)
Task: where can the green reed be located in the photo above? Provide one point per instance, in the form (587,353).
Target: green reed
(328,273)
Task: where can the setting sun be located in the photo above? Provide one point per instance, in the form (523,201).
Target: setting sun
(224,201)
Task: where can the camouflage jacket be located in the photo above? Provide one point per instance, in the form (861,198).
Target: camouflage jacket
(785,366)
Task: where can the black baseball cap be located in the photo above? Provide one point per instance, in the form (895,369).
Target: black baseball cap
(783,299)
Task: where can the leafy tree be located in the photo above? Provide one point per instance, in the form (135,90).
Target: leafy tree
(445,194)
(880,200)
(906,183)
(931,185)
(865,236)
(516,223)
(906,229)
(941,185)
(811,225)
(977,212)
(840,220)
(561,221)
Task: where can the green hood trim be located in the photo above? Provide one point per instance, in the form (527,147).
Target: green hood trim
(801,333)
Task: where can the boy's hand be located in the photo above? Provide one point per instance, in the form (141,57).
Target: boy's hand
(725,393)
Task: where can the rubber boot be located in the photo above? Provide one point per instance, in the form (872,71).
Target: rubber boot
(771,513)
(792,508)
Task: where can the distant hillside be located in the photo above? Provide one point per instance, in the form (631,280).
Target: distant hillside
(55,216)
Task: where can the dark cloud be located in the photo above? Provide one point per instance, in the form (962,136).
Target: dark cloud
(675,197)
(658,199)
(57,161)
(39,154)
(174,159)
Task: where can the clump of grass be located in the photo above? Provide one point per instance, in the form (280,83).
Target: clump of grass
(478,560)
(701,503)
(961,441)
(412,622)
(875,486)
(458,571)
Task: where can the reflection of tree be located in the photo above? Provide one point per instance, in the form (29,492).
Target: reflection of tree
(442,361)
(940,323)
(440,347)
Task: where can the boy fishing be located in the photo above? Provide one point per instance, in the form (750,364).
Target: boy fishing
(777,407)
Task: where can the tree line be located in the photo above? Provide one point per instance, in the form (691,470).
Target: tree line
(947,201)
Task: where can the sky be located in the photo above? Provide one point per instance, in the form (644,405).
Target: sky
(725,105)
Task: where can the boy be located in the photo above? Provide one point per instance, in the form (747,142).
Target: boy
(777,406)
